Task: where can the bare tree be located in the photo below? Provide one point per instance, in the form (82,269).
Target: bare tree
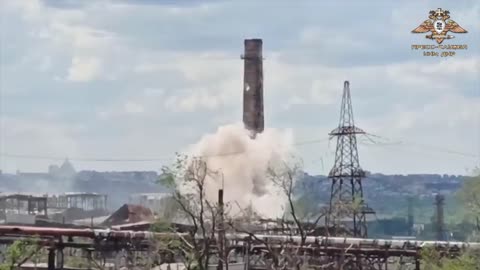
(286,254)
(285,176)
(188,180)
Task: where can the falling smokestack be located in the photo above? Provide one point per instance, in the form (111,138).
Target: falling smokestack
(253,86)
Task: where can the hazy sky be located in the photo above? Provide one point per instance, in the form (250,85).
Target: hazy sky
(142,79)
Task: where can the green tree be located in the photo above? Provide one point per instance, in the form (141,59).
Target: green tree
(19,252)
(433,260)
(469,196)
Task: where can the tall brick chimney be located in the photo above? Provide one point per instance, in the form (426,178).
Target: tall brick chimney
(253,118)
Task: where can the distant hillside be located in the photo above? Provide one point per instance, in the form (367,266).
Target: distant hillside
(388,194)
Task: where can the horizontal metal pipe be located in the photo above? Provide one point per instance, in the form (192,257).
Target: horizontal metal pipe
(356,241)
(87,233)
(333,250)
(139,235)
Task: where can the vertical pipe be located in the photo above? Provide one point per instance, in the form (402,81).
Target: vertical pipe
(60,259)
(51,259)
(417,263)
(221,235)
(247,263)
(90,258)
(45,204)
(29,206)
(386,260)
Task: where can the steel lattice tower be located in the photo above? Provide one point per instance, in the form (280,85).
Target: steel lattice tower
(346,200)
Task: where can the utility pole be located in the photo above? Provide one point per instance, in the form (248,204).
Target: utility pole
(222,255)
(346,198)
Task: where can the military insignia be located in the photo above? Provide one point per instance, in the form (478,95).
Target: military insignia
(439,24)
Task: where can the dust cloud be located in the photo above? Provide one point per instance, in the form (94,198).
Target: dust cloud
(243,162)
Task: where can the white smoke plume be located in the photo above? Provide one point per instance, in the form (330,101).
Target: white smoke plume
(244,162)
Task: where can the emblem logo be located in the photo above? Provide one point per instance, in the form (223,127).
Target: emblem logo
(439,24)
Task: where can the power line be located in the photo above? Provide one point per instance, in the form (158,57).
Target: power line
(56,158)
(312,141)
(83,159)
(372,140)
(420,145)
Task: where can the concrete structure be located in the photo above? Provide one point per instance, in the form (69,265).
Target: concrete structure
(24,204)
(83,200)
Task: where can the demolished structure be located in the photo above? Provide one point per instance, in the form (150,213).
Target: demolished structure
(25,208)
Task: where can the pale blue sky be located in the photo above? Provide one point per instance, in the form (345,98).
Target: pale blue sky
(145,78)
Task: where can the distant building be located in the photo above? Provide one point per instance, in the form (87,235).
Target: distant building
(65,171)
